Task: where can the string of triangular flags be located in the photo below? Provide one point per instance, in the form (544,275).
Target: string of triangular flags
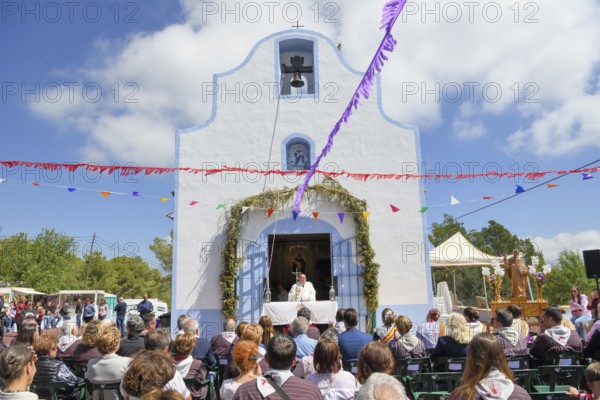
(270,211)
(128,170)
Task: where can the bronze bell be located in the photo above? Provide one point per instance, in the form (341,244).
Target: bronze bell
(297,82)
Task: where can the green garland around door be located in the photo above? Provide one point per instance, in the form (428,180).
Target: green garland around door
(330,190)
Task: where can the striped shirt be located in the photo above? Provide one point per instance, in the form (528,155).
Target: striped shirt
(295,388)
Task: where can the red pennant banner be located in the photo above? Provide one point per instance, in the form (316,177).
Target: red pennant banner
(125,170)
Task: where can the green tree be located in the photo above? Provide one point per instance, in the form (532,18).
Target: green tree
(569,272)
(441,232)
(45,263)
(163,251)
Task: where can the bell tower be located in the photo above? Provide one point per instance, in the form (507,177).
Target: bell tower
(296,60)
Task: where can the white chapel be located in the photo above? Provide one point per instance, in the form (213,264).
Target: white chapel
(275,112)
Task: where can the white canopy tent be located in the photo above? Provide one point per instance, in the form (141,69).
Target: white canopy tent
(12,292)
(457,251)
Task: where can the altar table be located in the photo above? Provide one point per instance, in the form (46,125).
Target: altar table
(282,313)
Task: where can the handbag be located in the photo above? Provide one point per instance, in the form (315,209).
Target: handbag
(277,388)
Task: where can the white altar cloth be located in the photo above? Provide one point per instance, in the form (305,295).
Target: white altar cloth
(282,313)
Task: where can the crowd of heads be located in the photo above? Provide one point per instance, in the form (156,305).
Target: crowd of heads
(153,367)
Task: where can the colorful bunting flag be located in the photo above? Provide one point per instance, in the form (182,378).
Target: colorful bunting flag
(366,214)
(36,184)
(220,205)
(136,194)
(269,212)
(587,176)
(245,208)
(394,208)
(551,185)
(341,217)
(104,194)
(519,189)
(163,199)
(71,189)
(295,214)
(454,200)
(315,215)
(487,197)
(423,209)
(193,203)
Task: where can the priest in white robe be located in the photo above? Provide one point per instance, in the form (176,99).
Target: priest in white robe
(302,290)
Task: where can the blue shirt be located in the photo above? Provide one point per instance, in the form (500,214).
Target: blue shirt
(351,342)
(145,307)
(304,346)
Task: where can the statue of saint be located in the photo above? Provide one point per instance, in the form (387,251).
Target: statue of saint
(516,270)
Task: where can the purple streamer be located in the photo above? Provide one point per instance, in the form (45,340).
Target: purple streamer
(391,12)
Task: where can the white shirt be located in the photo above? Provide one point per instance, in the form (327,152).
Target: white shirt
(300,292)
(339,386)
(228,389)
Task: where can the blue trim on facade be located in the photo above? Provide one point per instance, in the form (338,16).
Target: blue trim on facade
(175,235)
(289,138)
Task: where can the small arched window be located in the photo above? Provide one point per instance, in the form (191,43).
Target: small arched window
(297,155)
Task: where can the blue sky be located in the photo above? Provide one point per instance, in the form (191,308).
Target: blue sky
(151,58)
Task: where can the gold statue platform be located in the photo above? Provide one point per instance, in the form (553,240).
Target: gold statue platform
(532,310)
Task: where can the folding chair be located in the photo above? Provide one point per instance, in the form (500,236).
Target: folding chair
(566,375)
(101,387)
(54,389)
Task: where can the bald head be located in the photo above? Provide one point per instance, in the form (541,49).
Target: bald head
(229,325)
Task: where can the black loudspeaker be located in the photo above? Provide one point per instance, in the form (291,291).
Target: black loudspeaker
(591,259)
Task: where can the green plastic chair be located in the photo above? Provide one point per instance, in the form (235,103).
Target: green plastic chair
(549,396)
(412,366)
(101,387)
(567,375)
(525,378)
(56,389)
(434,396)
(520,361)
(451,364)
(438,383)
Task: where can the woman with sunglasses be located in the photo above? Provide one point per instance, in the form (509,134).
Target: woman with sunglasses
(579,311)
(17,369)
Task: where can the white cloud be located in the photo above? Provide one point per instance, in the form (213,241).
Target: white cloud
(551,247)
(554,57)
(467,130)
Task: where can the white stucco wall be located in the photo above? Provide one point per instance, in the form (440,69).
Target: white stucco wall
(240,133)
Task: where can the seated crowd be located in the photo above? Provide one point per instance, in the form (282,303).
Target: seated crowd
(249,361)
